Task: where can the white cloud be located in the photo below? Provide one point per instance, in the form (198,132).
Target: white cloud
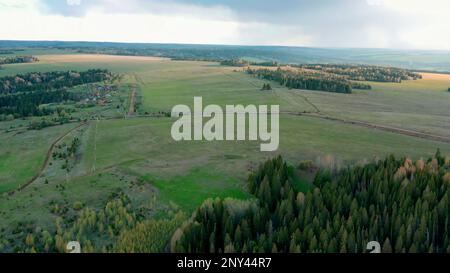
(118,27)
(426,23)
(73,2)
(260,33)
(372,23)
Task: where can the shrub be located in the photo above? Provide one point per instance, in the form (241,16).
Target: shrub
(305,165)
(78,205)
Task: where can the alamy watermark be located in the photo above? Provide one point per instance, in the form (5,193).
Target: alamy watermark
(227,124)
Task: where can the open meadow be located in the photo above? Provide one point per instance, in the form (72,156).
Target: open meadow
(135,154)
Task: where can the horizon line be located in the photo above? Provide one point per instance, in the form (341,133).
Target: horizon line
(225,45)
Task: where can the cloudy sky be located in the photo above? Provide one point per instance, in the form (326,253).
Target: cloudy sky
(409,24)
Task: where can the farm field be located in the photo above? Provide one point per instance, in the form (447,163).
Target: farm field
(224,127)
(137,155)
(421,105)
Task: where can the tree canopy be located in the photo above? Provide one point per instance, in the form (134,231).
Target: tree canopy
(400,203)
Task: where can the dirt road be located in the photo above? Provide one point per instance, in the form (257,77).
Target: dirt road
(131,108)
(47,159)
(385,128)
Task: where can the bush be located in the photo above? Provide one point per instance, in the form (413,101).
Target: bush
(266,86)
(4,117)
(305,165)
(78,205)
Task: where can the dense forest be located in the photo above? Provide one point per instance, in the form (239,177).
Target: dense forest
(365,72)
(27,104)
(400,203)
(21,95)
(18,60)
(299,80)
(44,81)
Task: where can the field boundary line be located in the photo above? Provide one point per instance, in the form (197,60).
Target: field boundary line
(95,144)
(385,128)
(279,93)
(322,115)
(131,107)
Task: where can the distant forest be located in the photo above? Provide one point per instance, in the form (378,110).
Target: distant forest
(5,52)
(299,80)
(365,72)
(243,63)
(326,77)
(18,60)
(411,59)
(402,204)
(44,81)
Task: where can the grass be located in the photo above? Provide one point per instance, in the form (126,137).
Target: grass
(189,190)
(22,155)
(127,152)
(51,62)
(422,105)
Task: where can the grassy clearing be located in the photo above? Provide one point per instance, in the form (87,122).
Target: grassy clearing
(178,82)
(145,149)
(22,155)
(122,154)
(189,190)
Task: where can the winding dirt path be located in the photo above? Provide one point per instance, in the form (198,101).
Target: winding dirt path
(47,159)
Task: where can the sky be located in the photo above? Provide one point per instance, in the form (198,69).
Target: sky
(402,24)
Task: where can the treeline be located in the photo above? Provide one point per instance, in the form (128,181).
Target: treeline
(114,228)
(269,64)
(5,52)
(60,116)
(18,60)
(346,71)
(235,62)
(402,204)
(27,104)
(243,63)
(22,95)
(299,80)
(44,81)
(362,86)
(365,72)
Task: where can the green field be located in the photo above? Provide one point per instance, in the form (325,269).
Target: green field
(138,156)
